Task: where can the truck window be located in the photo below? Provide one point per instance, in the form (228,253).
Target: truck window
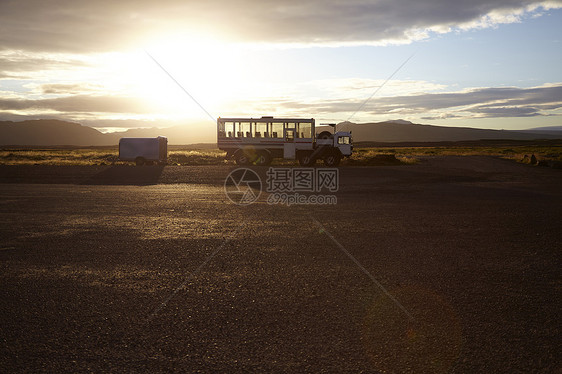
(260,128)
(289,135)
(277,129)
(245,128)
(305,130)
(227,129)
(343,140)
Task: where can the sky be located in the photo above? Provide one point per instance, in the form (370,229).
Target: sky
(115,65)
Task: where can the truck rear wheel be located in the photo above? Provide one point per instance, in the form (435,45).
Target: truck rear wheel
(332,159)
(140,161)
(264,158)
(306,159)
(242,158)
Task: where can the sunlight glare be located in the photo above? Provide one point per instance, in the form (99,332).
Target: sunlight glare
(213,72)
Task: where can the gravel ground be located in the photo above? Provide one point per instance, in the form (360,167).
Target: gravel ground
(448,266)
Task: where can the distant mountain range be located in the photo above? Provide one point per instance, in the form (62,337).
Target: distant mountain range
(405,131)
(49,132)
(553,130)
(55,132)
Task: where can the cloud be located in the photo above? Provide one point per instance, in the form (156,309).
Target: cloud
(484,102)
(68,88)
(79,101)
(441,116)
(25,65)
(106,25)
(506,111)
(490,102)
(78,104)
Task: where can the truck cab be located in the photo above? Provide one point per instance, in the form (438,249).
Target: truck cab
(331,147)
(342,141)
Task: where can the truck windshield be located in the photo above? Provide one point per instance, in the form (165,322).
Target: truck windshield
(344,140)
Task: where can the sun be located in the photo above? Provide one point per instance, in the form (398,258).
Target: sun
(196,77)
(178,77)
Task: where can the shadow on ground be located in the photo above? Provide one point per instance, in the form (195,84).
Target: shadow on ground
(127,175)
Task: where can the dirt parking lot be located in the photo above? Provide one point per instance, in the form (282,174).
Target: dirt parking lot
(448,266)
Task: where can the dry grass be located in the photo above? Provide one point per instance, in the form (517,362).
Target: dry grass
(381,156)
(196,157)
(89,156)
(361,156)
(514,152)
(408,155)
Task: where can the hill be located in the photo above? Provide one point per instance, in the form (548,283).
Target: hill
(56,133)
(49,132)
(552,130)
(204,133)
(404,131)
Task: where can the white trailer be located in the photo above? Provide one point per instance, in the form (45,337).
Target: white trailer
(260,140)
(144,150)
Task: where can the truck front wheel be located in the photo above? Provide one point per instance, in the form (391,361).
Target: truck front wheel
(306,159)
(332,159)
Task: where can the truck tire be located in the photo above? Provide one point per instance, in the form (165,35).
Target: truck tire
(263,158)
(325,135)
(140,161)
(306,159)
(332,159)
(242,158)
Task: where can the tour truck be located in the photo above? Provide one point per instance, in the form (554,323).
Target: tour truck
(144,150)
(260,140)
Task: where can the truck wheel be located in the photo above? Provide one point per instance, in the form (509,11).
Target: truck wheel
(140,161)
(325,135)
(306,159)
(332,159)
(242,158)
(264,158)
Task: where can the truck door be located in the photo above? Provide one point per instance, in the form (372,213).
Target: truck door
(289,145)
(343,142)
